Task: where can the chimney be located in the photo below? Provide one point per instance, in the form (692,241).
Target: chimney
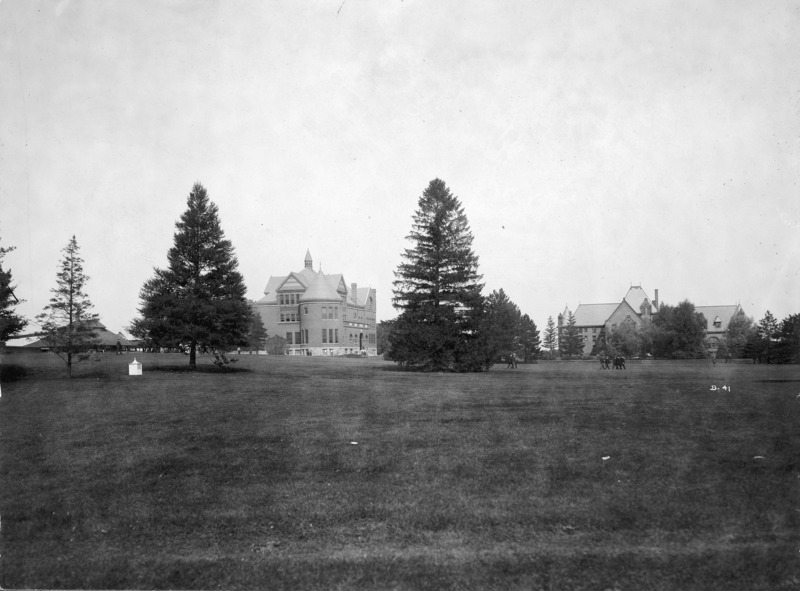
(354,292)
(656,300)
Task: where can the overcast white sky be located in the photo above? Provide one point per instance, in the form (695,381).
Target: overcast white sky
(594,145)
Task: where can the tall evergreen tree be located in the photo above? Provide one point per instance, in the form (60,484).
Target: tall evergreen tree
(198,301)
(11,324)
(529,341)
(571,341)
(438,289)
(501,326)
(68,325)
(551,337)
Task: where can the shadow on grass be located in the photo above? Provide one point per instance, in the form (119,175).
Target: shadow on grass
(199,369)
(12,373)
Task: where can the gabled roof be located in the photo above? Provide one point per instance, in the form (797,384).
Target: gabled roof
(625,306)
(360,296)
(337,281)
(723,313)
(593,314)
(102,336)
(321,290)
(294,282)
(273,283)
(636,296)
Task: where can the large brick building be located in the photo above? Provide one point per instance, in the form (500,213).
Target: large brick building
(318,314)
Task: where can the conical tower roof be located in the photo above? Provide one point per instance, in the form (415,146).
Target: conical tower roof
(321,290)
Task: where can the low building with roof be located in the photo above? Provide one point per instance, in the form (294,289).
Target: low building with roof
(103,339)
(318,314)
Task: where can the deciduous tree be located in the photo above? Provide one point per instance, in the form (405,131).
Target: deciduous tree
(679,331)
(67,321)
(789,340)
(438,290)
(626,340)
(739,330)
(383,330)
(198,301)
(256,331)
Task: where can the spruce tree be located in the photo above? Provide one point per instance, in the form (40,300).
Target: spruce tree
(501,326)
(11,324)
(528,336)
(438,289)
(571,341)
(551,337)
(198,301)
(68,325)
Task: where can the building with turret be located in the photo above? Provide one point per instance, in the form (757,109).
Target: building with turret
(318,314)
(595,321)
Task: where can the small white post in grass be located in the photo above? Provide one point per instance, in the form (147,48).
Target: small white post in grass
(135,368)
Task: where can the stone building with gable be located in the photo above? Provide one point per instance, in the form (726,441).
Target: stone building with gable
(593,320)
(318,314)
(636,308)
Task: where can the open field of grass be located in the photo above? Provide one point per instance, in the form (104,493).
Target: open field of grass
(320,473)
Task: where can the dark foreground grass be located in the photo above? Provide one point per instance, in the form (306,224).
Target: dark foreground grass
(318,473)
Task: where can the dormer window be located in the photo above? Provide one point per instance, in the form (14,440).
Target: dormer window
(717,322)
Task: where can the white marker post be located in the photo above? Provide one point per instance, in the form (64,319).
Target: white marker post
(135,368)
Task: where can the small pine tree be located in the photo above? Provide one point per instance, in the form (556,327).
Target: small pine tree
(551,337)
(67,321)
(571,340)
(11,324)
(198,301)
(438,290)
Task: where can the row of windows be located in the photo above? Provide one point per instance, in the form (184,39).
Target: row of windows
(328,335)
(290,317)
(289,299)
(329,312)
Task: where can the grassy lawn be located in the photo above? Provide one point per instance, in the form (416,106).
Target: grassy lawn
(320,473)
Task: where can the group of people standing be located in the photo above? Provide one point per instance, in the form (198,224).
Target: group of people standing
(605,362)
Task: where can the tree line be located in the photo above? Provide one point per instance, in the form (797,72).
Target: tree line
(197,303)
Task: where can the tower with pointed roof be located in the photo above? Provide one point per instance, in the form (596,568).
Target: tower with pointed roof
(318,314)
